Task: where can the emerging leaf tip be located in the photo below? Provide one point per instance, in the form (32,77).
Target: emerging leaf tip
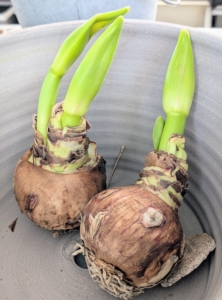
(184,35)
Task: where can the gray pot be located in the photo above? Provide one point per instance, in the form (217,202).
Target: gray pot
(35,265)
(38,12)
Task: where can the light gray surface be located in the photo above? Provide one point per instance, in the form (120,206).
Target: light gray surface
(38,12)
(34,265)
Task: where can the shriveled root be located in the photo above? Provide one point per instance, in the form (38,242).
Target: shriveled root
(107,276)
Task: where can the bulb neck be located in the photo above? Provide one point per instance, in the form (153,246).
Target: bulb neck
(175,124)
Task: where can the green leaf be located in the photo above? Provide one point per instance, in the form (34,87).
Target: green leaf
(157,131)
(69,51)
(90,75)
(74,44)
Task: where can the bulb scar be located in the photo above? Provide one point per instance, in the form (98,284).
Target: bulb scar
(152,217)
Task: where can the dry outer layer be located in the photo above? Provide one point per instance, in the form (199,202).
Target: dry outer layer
(67,149)
(54,181)
(134,230)
(165,175)
(55,201)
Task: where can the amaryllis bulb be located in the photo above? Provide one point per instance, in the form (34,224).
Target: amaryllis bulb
(132,235)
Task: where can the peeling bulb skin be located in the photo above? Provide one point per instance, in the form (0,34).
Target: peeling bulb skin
(134,236)
(165,270)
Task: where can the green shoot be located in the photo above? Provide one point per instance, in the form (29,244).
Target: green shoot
(157,131)
(90,75)
(178,89)
(66,56)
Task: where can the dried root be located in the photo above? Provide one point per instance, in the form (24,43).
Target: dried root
(107,276)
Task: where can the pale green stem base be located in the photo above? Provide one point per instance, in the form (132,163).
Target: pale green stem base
(70,120)
(175,124)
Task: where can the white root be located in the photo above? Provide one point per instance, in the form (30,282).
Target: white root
(108,278)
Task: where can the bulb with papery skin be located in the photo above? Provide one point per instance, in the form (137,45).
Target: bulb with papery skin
(136,229)
(56,178)
(132,236)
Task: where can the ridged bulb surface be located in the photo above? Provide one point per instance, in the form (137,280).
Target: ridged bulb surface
(135,231)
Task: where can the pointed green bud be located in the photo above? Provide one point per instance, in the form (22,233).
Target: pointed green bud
(178,89)
(179,81)
(90,75)
(77,40)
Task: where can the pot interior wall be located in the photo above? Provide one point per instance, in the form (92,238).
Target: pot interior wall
(34,264)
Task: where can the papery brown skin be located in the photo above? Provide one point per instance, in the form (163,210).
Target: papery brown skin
(115,229)
(55,201)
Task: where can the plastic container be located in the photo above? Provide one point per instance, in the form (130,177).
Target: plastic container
(37,12)
(35,265)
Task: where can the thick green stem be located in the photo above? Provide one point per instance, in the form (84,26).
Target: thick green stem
(50,87)
(178,91)
(175,124)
